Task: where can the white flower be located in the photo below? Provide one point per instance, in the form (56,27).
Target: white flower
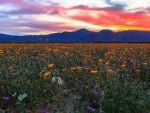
(22,96)
(14,94)
(102,93)
(53,79)
(58,80)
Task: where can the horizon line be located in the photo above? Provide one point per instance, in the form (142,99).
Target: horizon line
(115,31)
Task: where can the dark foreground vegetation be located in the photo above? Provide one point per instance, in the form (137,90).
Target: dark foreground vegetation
(92,78)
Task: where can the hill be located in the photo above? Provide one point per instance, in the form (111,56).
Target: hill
(81,36)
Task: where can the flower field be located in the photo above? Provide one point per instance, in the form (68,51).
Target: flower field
(75,78)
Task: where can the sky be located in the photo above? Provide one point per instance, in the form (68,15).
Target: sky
(24,17)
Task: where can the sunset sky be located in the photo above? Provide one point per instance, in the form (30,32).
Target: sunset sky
(24,17)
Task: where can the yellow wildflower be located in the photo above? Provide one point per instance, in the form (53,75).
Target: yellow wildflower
(94,71)
(51,65)
(48,73)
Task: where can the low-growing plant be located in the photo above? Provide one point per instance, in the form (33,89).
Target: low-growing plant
(75,79)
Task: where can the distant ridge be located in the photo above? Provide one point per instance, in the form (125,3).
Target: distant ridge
(81,36)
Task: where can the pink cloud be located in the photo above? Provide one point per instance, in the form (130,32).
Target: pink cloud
(111,17)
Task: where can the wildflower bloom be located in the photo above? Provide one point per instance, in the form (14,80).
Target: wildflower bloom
(49,49)
(79,68)
(89,109)
(10,67)
(100,61)
(64,69)
(51,65)
(98,90)
(48,73)
(145,63)
(21,97)
(43,111)
(137,70)
(94,71)
(1,51)
(66,53)
(131,60)
(97,110)
(14,94)
(6,98)
(107,63)
(109,71)
(85,60)
(58,80)
(94,101)
(123,65)
(72,69)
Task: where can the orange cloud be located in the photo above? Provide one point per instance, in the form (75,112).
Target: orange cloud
(113,18)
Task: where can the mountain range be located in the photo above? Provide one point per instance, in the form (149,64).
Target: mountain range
(81,36)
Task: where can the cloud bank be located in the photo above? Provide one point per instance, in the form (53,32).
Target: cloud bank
(48,16)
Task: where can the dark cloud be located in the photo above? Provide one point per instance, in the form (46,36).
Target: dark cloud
(114,5)
(142,10)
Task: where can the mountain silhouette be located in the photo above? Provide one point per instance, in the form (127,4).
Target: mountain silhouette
(81,36)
